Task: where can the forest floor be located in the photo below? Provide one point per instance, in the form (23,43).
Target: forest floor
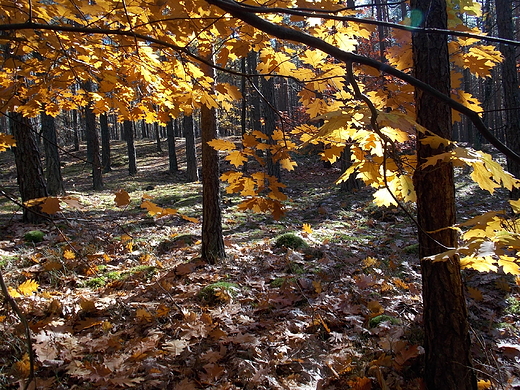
(122,299)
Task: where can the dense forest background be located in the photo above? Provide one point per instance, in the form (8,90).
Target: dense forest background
(377,144)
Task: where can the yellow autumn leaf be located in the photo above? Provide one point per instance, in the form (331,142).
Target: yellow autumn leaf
(383,197)
(13,292)
(332,154)
(435,141)
(515,205)
(28,287)
(307,228)
(483,178)
(229,90)
(6,141)
(122,198)
(370,262)
(69,255)
(484,384)
(509,265)
(237,158)
(288,164)
(221,144)
(190,219)
(482,264)
(157,211)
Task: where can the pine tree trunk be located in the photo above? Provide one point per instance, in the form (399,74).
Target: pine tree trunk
(128,130)
(448,363)
(93,146)
(172,153)
(212,238)
(52,156)
(93,143)
(105,143)
(510,85)
(268,107)
(191,151)
(28,166)
(157,137)
(75,128)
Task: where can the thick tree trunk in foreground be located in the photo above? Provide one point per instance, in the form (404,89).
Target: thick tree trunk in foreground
(28,166)
(447,344)
(510,85)
(130,146)
(52,156)
(212,238)
(191,151)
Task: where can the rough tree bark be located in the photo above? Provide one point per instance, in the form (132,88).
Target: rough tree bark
(93,144)
(75,129)
(192,170)
(212,237)
(157,137)
(510,85)
(128,129)
(172,153)
(28,166)
(105,143)
(447,343)
(52,156)
(269,120)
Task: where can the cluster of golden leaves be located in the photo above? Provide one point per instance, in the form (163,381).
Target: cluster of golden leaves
(144,57)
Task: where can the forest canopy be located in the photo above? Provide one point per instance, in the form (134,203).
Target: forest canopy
(399,93)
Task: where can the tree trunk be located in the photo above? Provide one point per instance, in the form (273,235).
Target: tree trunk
(172,153)
(212,238)
(75,128)
(157,137)
(352,183)
(28,166)
(447,344)
(191,151)
(105,143)
(252,63)
(509,85)
(52,156)
(268,107)
(93,147)
(243,104)
(130,146)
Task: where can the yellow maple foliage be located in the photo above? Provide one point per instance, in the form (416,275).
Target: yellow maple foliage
(307,228)
(28,287)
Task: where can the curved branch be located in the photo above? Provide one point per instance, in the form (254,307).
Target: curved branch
(322,14)
(285,33)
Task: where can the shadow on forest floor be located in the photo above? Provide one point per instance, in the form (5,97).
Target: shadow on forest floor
(124,300)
